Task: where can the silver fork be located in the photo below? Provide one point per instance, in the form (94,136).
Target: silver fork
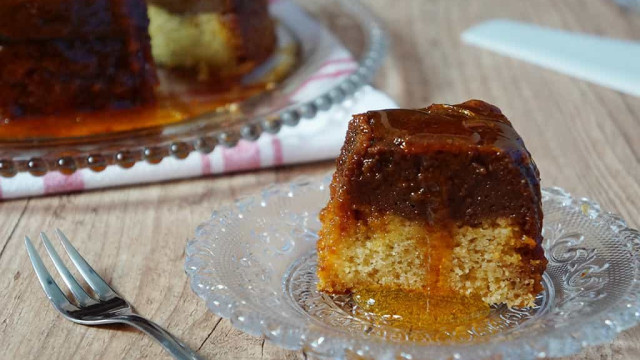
(107,308)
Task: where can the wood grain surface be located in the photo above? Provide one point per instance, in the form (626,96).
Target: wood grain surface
(584,138)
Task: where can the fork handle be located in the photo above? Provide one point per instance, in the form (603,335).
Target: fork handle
(174,346)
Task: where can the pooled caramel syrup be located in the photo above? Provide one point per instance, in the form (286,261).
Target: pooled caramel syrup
(178,98)
(171,106)
(421,311)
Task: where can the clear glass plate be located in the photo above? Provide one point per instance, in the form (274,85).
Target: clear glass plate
(267,111)
(254,262)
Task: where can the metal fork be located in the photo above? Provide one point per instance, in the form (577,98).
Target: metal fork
(107,308)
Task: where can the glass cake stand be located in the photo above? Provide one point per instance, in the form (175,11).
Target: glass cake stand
(265,111)
(254,263)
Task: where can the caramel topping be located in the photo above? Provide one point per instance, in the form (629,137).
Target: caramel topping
(442,127)
(169,108)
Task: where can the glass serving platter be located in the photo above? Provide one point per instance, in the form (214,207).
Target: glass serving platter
(254,263)
(263,108)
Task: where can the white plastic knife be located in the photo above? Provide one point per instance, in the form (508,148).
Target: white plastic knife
(608,62)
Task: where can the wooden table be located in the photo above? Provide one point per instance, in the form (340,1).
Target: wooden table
(584,138)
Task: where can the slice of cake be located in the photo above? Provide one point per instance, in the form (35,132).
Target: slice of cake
(443,200)
(212,39)
(64,55)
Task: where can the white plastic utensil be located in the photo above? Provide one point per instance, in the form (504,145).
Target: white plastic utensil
(604,61)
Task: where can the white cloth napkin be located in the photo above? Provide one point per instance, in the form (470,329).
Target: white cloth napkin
(312,140)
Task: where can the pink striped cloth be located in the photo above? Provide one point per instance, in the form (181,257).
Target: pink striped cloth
(312,140)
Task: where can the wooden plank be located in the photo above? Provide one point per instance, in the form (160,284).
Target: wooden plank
(10,216)
(135,238)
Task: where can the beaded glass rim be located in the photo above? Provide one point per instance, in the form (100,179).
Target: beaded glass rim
(598,328)
(179,140)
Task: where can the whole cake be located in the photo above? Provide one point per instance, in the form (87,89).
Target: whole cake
(443,200)
(60,56)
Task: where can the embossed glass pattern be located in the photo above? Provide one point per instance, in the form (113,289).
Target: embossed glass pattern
(254,262)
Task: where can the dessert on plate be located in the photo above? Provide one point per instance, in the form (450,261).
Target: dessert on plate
(438,201)
(60,56)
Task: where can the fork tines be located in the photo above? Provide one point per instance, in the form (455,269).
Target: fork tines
(102,290)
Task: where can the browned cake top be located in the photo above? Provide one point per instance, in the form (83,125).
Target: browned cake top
(462,163)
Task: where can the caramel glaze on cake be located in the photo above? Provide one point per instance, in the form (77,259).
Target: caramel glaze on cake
(439,200)
(62,55)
